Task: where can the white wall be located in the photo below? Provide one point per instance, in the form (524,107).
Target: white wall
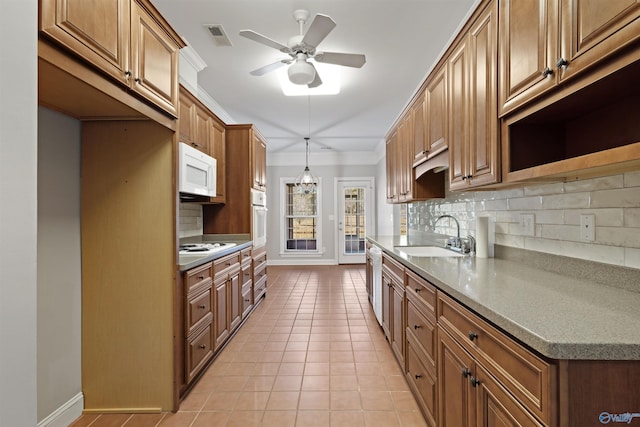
(18,212)
(275,222)
(59,267)
(614,200)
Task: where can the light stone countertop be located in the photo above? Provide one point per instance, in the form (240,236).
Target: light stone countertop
(559,316)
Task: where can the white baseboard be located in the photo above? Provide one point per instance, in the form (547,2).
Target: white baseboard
(66,414)
(301,261)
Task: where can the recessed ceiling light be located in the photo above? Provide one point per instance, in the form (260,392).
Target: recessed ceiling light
(330,75)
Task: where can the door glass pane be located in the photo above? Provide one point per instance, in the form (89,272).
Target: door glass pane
(354,216)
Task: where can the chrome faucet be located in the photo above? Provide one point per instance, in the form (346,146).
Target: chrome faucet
(466,245)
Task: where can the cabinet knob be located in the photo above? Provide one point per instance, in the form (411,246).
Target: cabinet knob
(466,372)
(202,346)
(469,176)
(472,335)
(202,306)
(418,290)
(474,381)
(562,63)
(201,277)
(417,326)
(464,178)
(547,72)
(127,73)
(417,376)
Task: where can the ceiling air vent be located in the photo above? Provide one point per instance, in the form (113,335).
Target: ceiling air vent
(219,35)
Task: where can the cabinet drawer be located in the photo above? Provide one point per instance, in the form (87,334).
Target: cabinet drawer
(245,275)
(198,276)
(259,288)
(393,267)
(199,310)
(260,261)
(424,331)
(524,374)
(199,352)
(423,292)
(245,255)
(423,383)
(247,301)
(259,272)
(225,264)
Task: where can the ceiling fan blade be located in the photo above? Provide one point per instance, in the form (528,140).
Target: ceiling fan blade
(317,81)
(268,68)
(347,59)
(318,30)
(257,37)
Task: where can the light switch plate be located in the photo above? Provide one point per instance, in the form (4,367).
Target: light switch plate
(527,224)
(587,227)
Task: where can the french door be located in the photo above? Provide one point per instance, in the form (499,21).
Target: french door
(355,218)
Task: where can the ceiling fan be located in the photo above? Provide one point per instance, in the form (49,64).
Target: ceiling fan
(302,47)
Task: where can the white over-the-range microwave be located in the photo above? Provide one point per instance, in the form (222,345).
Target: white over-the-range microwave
(196,171)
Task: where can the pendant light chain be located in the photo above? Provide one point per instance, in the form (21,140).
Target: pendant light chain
(306,183)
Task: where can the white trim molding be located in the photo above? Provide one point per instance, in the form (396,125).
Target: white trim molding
(65,414)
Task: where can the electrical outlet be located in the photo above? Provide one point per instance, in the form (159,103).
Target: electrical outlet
(527,224)
(587,227)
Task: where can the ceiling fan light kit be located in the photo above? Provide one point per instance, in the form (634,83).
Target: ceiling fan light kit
(302,47)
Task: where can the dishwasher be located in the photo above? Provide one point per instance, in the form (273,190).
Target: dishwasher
(376,282)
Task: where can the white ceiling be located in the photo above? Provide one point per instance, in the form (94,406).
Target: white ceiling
(402,40)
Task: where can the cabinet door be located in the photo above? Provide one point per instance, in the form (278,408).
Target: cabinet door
(154,59)
(528,50)
(405,147)
(186,110)
(96,30)
(436,114)
(392,194)
(398,323)
(387,297)
(458,106)
(201,128)
(220,322)
(483,122)
(235,300)
(217,149)
(455,394)
(496,407)
(259,164)
(420,146)
(592,30)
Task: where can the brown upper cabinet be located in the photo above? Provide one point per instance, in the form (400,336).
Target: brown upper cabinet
(259,162)
(546,42)
(473,121)
(430,118)
(126,39)
(203,130)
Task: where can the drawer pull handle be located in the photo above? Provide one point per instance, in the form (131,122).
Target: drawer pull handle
(202,346)
(418,290)
(201,277)
(473,336)
(228,264)
(474,381)
(417,326)
(202,306)
(247,300)
(466,372)
(418,376)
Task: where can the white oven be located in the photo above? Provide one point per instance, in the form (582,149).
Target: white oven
(197,172)
(259,221)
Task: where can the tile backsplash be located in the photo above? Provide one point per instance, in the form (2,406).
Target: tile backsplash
(190,220)
(613,200)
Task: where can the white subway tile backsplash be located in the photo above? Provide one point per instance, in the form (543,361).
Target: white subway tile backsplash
(625,198)
(614,200)
(604,183)
(566,201)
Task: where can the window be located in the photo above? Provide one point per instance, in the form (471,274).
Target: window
(301,220)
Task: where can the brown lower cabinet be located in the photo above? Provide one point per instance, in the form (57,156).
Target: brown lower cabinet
(218,296)
(465,372)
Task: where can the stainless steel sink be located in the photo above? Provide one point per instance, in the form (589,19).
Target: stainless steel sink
(427,251)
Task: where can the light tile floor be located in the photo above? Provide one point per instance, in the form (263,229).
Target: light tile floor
(311,354)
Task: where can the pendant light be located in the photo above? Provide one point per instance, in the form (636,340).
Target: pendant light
(306,183)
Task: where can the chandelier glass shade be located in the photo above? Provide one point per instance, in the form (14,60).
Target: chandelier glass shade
(306,183)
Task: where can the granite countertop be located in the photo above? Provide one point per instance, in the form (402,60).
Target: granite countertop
(561,317)
(193,260)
